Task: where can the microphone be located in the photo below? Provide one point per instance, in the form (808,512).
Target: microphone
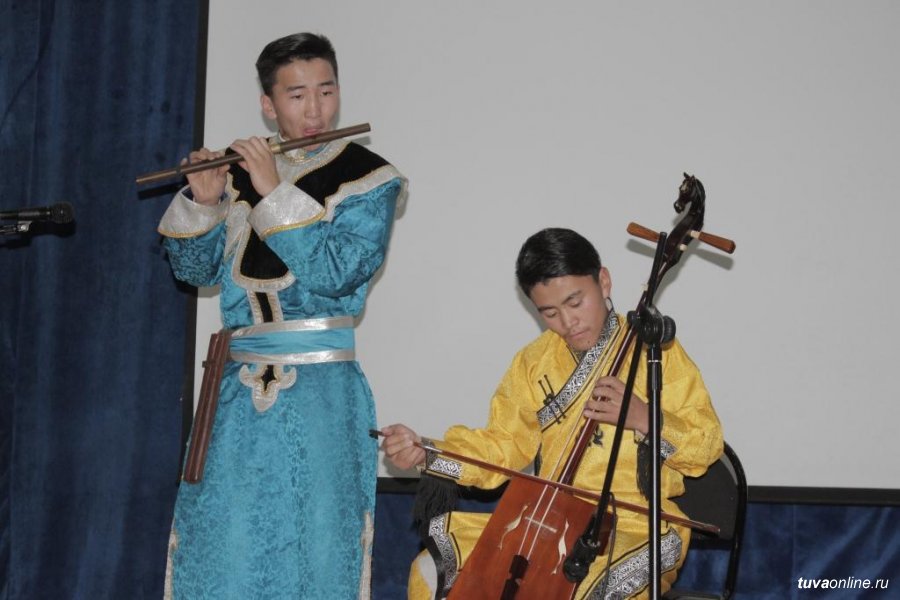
(60,212)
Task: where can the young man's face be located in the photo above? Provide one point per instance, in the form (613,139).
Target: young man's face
(304,100)
(574,306)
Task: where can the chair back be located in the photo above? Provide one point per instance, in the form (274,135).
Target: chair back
(719,497)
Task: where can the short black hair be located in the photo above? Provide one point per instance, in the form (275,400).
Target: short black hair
(283,51)
(555,252)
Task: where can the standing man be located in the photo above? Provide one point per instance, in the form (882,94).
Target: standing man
(285,507)
(551,383)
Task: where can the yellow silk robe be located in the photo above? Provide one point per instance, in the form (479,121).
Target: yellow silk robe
(522,426)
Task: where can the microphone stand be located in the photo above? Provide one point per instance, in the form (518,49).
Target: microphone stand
(654,329)
(20,227)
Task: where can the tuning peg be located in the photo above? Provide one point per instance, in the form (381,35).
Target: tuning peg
(723,244)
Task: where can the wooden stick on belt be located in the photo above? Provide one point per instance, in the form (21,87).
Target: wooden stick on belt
(201,432)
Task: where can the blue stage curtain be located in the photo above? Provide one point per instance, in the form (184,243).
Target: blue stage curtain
(92,93)
(787,542)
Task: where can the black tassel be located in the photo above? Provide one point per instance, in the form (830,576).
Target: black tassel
(643,464)
(643,468)
(434,496)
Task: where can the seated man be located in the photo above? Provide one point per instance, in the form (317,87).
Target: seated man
(535,409)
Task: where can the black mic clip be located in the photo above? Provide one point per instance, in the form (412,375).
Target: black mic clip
(651,326)
(585,550)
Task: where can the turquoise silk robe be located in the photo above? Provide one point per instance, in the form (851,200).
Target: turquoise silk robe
(286,504)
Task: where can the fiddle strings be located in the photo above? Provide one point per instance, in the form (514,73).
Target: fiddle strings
(601,367)
(531,518)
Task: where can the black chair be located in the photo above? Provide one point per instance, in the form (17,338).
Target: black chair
(719,497)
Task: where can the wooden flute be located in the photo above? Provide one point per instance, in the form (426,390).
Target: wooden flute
(277,148)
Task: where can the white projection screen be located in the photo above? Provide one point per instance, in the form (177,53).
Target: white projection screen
(508,117)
